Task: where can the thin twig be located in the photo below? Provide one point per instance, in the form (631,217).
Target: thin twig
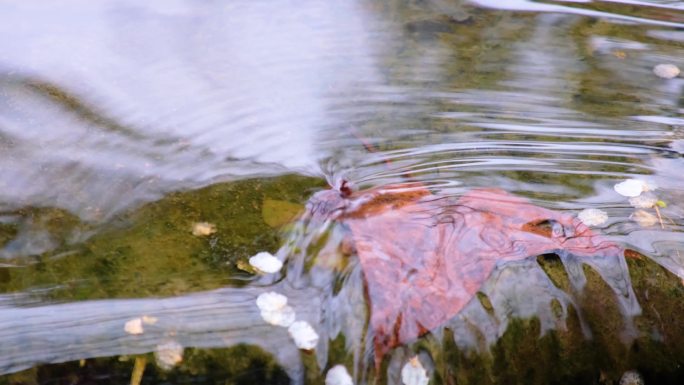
(138,370)
(662,226)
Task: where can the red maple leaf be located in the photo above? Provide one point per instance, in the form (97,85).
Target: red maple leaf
(425,256)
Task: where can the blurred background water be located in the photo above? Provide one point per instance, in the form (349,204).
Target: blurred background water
(109,107)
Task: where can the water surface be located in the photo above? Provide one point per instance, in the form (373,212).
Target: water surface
(122,123)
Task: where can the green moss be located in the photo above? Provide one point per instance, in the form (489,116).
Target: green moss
(151,251)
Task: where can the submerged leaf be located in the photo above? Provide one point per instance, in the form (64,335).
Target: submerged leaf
(424,256)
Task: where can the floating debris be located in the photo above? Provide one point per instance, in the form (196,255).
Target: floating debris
(274,309)
(203,229)
(338,375)
(413,373)
(666,71)
(631,377)
(644,218)
(630,187)
(593,217)
(168,354)
(643,201)
(304,336)
(266,262)
(134,326)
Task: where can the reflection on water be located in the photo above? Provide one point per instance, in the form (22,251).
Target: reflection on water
(113,114)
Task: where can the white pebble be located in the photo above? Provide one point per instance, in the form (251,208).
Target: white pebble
(666,71)
(413,373)
(266,262)
(271,301)
(168,354)
(338,375)
(630,187)
(304,336)
(203,229)
(643,201)
(274,309)
(134,326)
(282,317)
(593,217)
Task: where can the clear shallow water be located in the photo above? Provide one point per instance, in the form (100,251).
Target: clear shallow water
(107,108)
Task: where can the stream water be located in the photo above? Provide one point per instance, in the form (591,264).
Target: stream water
(122,123)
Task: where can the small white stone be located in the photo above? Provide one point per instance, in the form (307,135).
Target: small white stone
(203,229)
(282,317)
(168,354)
(274,309)
(666,71)
(304,336)
(134,326)
(413,373)
(271,301)
(338,375)
(643,201)
(266,262)
(593,217)
(630,188)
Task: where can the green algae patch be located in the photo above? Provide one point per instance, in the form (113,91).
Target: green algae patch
(276,213)
(152,251)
